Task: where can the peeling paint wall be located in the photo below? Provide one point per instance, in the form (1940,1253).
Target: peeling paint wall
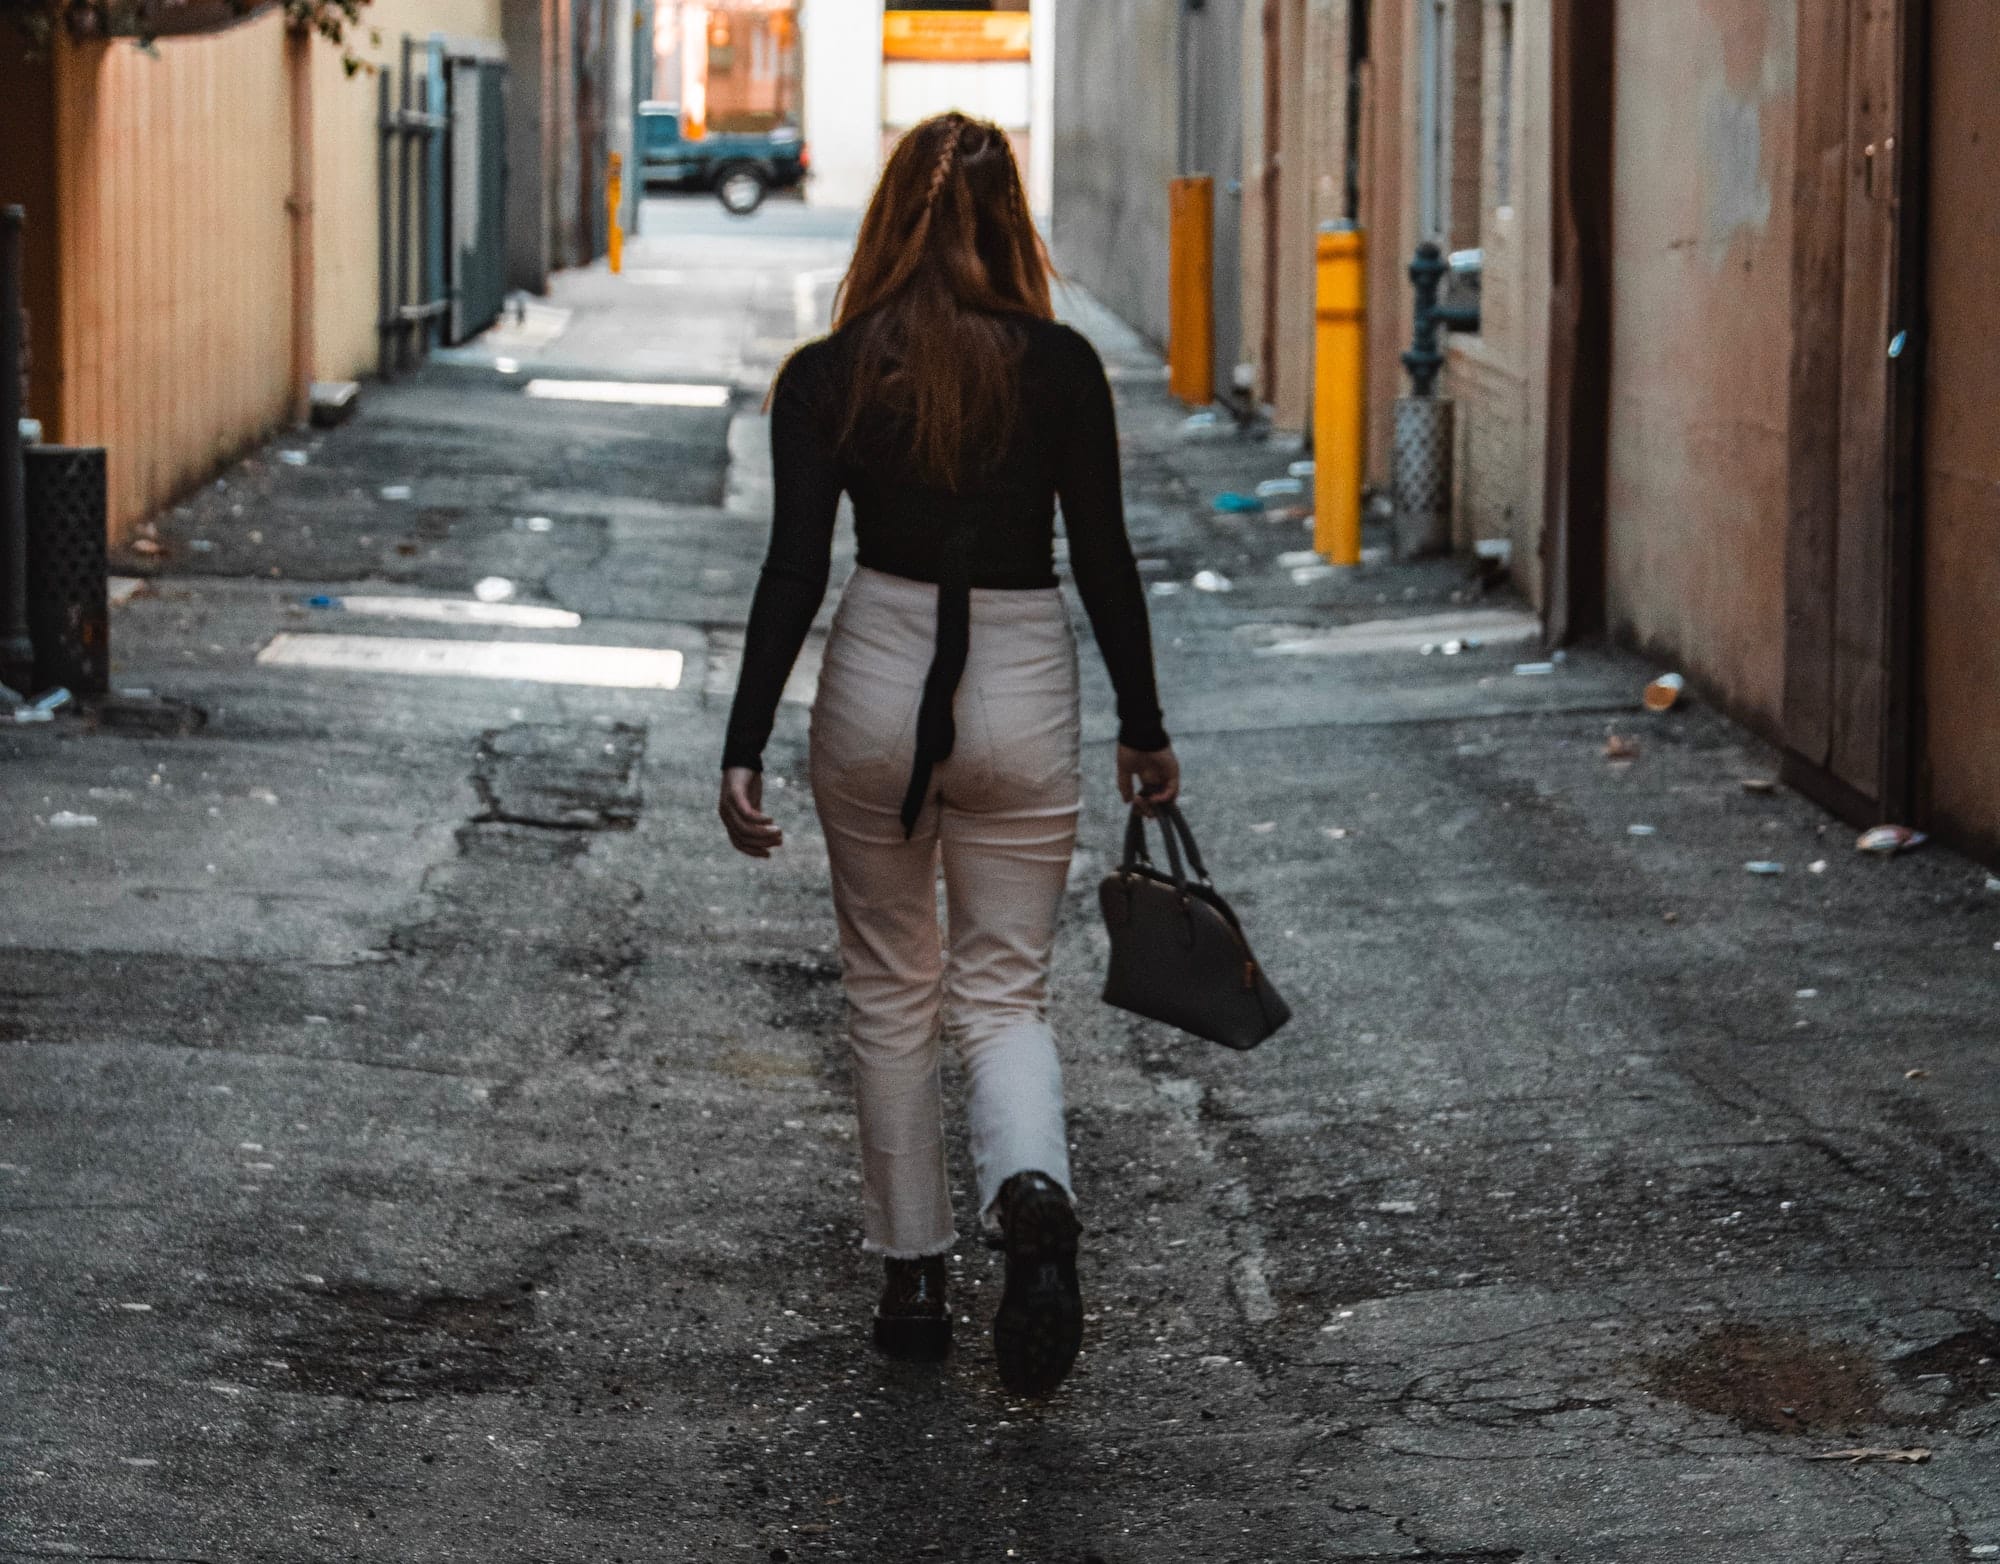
(1959,653)
(1499,377)
(1701,298)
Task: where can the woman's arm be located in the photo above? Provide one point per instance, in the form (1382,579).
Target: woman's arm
(1100,553)
(806,498)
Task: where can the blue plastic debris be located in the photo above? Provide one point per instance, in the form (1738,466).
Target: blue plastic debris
(322,600)
(1230,503)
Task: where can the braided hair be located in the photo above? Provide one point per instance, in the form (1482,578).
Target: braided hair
(947,265)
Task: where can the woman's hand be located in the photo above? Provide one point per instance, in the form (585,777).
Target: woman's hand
(1148,777)
(751,831)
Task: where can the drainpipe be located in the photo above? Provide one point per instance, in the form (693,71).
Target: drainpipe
(17,652)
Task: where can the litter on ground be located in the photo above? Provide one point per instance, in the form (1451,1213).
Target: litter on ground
(1914,1455)
(1889,840)
(1664,693)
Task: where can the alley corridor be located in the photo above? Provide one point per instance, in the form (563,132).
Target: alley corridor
(423,1138)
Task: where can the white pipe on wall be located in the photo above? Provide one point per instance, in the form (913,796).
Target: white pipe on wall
(1042,121)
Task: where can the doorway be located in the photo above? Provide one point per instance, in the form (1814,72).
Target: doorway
(1850,694)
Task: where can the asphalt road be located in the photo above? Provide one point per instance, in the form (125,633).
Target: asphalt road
(421,1138)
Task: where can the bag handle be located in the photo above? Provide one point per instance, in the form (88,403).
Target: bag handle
(1179,826)
(1175,834)
(1136,854)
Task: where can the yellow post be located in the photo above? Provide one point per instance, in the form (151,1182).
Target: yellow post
(614,200)
(1340,384)
(1191,289)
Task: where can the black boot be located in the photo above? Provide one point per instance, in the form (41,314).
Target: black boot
(913,1320)
(1039,1327)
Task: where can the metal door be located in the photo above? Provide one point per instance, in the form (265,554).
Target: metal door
(475,249)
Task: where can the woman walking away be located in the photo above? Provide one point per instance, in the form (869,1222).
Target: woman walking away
(956,413)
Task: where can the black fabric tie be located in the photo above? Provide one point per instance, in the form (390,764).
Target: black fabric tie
(936,730)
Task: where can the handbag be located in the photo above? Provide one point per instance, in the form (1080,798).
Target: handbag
(1178,952)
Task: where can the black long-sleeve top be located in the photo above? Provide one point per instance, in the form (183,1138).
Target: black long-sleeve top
(997,533)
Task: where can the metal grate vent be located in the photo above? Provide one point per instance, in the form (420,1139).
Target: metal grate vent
(1420,476)
(68,608)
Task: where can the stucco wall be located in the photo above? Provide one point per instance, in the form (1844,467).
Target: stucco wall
(1960,656)
(346,301)
(1116,103)
(1701,294)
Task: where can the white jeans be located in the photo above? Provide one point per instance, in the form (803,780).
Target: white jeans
(1001,815)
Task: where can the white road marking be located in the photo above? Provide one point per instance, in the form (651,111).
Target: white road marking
(611,667)
(453,610)
(634,393)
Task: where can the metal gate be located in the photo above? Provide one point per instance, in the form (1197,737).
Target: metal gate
(443,178)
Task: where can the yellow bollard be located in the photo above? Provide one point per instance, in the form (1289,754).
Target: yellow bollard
(614,201)
(1340,385)
(1191,289)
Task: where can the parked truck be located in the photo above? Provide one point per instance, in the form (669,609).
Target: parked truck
(741,167)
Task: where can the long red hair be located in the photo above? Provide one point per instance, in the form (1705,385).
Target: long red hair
(948,252)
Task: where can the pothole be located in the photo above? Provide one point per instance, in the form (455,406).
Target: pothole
(560,778)
(1961,1371)
(1774,1381)
(806,992)
(376,1343)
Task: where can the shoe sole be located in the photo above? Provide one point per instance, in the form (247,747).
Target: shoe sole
(913,1341)
(1039,1327)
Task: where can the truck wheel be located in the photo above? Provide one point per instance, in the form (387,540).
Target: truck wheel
(741,189)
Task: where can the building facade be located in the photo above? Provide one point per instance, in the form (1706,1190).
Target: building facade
(244,150)
(872,71)
(1729,395)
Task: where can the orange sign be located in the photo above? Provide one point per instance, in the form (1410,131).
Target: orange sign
(955,35)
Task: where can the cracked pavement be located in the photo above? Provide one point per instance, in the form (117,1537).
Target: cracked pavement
(420,1137)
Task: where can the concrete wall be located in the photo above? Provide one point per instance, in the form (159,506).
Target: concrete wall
(1959,654)
(529,29)
(1701,299)
(1116,137)
(843,99)
(1212,144)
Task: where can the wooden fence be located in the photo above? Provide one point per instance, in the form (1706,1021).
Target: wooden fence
(175,234)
